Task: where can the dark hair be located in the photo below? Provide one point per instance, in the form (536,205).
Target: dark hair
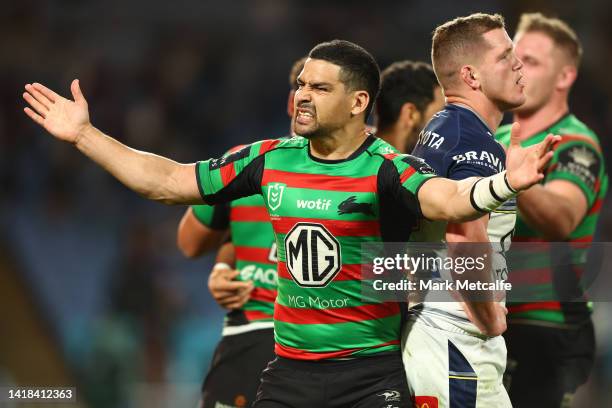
(401,82)
(358,69)
(296,68)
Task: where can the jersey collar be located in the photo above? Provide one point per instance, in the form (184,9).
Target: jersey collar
(547,129)
(364,146)
(460,105)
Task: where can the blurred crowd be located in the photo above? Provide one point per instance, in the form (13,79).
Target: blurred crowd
(187,79)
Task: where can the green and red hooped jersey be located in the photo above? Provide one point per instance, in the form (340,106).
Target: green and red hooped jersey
(322,212)
(577,159)
(251,232)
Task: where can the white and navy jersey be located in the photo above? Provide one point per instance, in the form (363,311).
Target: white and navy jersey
(458,144)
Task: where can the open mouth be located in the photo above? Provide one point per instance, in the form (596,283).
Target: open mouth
(304,116)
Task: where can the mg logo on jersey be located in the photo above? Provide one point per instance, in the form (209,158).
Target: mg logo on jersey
(275,195)
(312,254)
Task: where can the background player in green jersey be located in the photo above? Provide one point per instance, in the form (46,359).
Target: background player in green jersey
(319,313)
(409,96)
(551,344)
(248,291)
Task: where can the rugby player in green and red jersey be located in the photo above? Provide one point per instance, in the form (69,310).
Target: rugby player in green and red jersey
(551,345)
(327,192)
(243,282)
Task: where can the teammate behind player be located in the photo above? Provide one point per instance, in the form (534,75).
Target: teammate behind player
(474,60)
(409,96)
(319,314)
(248,291)
(551,344)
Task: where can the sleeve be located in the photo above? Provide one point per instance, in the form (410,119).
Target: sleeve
(234,175)
(214,217)
(401,178)
(579,162)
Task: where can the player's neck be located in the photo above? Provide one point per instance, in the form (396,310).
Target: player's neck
(487,111)
(541,119)
(394,136)
(340,144)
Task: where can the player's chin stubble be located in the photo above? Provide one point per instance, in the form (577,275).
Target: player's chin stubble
(309,132)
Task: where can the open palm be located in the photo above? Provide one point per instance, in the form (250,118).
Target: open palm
(63,118)
(525,165)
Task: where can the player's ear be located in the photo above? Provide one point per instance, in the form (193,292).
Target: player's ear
(360,102)
(566,77)
(409,115)
(470,76)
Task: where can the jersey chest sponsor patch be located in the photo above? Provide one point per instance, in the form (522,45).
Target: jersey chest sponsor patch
(481,158)
(430,139)
(312,255)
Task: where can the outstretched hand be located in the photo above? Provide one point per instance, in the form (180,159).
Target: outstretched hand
(63,118)
(525,166)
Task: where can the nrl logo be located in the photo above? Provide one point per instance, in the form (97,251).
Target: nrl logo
(275,195)
(582,156)
(386,149)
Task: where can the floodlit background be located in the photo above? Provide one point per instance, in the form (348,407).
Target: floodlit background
(93,290)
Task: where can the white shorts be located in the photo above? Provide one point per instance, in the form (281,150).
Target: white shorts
(453,369)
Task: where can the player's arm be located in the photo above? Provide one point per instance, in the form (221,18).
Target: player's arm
(416,179)
(227,254)
(554,209)
(470,239)
(154,177)
(557,207)
(202,229)
(465,200)
(489,316)
(227,292)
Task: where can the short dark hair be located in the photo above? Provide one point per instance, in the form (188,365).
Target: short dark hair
(557,30)
(296,68)
(458,40)
(401,82)
(358,68)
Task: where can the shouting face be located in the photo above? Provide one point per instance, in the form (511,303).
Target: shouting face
(322,101)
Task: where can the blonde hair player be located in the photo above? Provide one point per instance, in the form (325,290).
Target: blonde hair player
(551,344)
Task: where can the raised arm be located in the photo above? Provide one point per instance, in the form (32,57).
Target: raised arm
(154,177)
(468,199)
